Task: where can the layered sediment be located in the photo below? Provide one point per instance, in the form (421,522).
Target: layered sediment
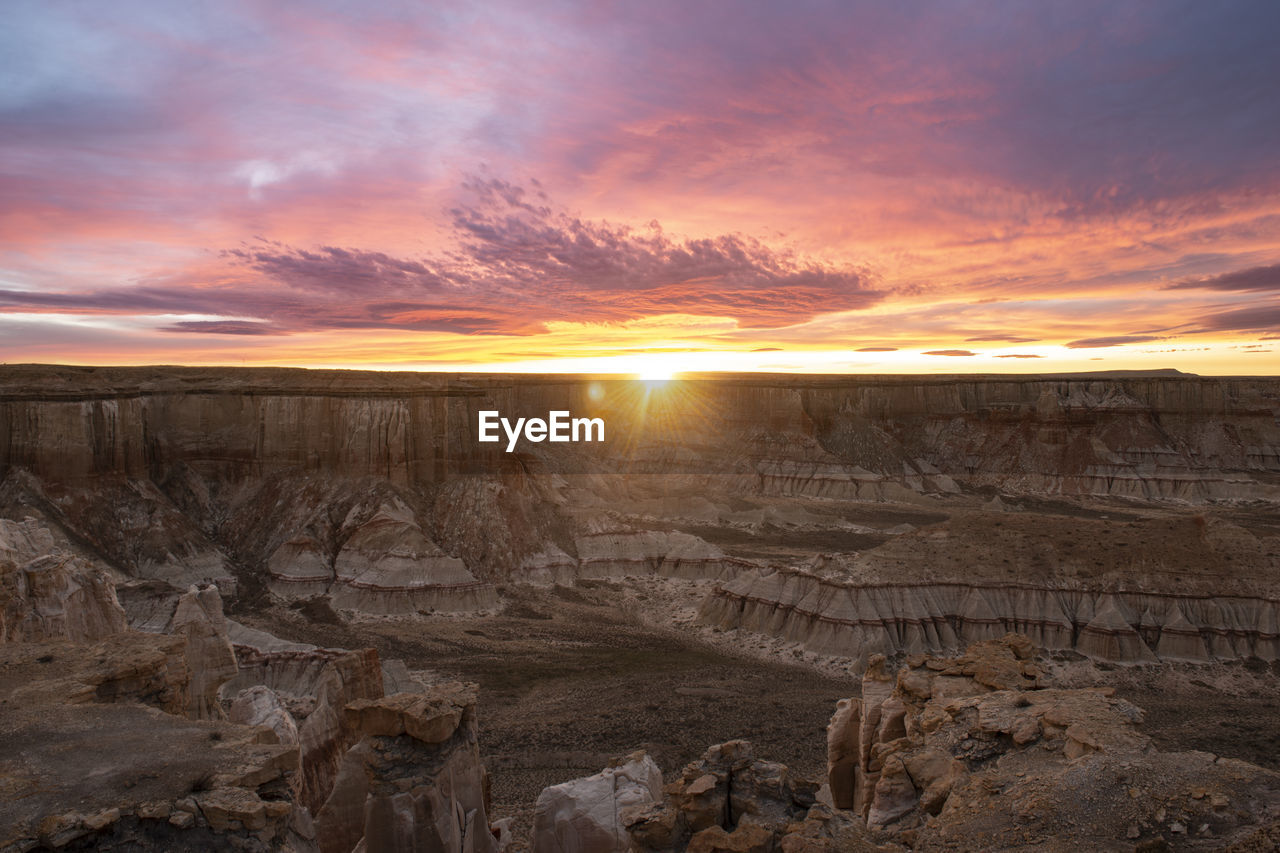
(1145,436)
(372,489)
(860,619)
(1133,589)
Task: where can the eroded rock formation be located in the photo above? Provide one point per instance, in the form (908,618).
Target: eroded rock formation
(49,594)
(980,751)
(858,620)
(312,686)
(413,781)
(1167,588)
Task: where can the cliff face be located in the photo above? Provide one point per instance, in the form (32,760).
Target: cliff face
(1185,438)
(372,488)
(1152,437)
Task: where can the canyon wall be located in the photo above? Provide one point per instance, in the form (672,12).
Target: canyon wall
(1149,436)
(372,488)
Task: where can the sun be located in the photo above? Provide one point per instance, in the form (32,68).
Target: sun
(654,379)
(656,371)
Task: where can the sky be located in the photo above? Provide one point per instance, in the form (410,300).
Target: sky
(896,187)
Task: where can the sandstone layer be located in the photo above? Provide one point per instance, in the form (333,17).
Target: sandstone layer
(1135,589)
(857,620)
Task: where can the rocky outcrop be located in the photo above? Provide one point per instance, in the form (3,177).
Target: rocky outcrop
(105,758)
(590,815)
(314,686)
(124,668)
(413,781)
(730,801)
(112,757)
(122,743)
(48,594)
(857,620)
(196,615)
(981,752)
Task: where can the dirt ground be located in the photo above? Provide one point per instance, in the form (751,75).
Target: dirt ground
(1230,709)
(568,681)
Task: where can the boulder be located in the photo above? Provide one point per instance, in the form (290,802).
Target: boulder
(589,815)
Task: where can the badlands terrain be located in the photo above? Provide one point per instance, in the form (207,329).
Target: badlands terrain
(272,609)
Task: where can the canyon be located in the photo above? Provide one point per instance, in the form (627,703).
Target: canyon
(320,562)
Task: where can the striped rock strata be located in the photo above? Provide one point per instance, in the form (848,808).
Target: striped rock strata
(193,474)
(857,620)
(386,565)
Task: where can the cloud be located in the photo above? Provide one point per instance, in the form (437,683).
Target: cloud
(951,352)
(222,327)
(1263,278)
(971,152)
(1260,318)
(996,337)
(1019,355)
(518,263)
(876,349)
(597,271)
(1110,341)
(767,349)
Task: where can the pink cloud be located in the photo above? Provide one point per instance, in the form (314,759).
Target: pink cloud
(517,265)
